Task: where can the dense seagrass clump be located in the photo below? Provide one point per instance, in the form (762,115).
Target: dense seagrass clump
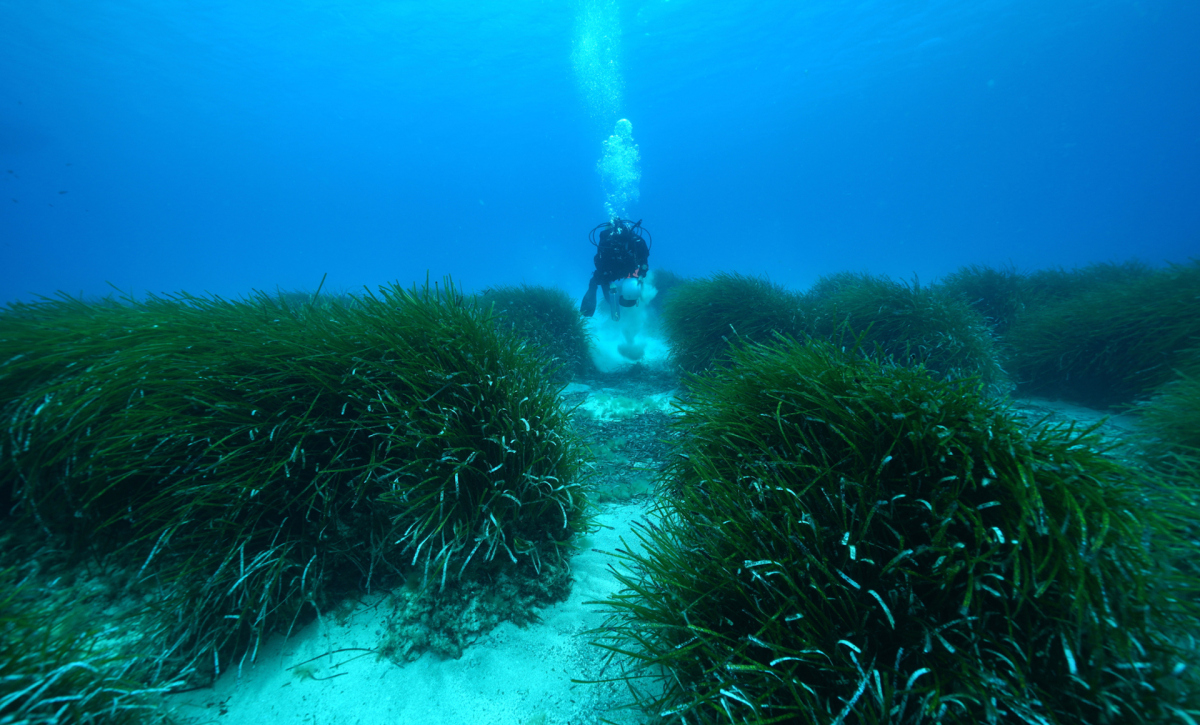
(250,460)
(1168,439)
(1048,286)
(702,317)
(1170,420)
(848,541)
(1113,342)
(997,294)
(907,324)
(548,320)
(300,302)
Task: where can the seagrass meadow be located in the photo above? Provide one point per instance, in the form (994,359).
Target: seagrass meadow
(845,540)
(702,316)
(1105,335)
(845,516)
(909,324)
(245,463)
(547,319)
(906,323)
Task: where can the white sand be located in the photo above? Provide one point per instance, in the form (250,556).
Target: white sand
(511,675)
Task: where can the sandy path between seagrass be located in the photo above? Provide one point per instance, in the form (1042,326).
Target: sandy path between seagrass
(511,676)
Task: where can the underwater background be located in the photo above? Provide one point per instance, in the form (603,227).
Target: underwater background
(303,417)
(219,147)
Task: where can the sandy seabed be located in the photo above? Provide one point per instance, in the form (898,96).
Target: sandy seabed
(326,673)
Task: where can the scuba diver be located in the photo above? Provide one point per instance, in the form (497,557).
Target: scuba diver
(622,260)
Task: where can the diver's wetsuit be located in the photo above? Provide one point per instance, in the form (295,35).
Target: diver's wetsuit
(620,252)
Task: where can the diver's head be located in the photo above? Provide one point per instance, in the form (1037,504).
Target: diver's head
(631,289)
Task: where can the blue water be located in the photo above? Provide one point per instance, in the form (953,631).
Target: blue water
(222,146)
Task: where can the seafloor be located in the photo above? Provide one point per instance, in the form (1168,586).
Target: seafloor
(328,673)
